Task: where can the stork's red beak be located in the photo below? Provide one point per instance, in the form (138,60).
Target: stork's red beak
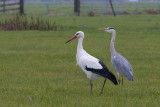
(72,38)
(101,29)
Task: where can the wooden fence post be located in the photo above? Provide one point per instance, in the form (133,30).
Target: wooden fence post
(21,8)
(77,7)
(110,1)
(4,6)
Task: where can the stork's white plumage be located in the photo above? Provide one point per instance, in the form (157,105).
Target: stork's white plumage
(92,66)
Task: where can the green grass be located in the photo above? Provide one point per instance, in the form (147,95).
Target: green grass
(38,69)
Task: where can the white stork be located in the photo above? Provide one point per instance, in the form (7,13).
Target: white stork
(92,66)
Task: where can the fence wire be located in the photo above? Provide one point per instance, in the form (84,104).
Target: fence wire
(90,7)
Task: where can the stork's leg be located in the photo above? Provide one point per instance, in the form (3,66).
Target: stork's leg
(91,85)
(122,80)
(103,86)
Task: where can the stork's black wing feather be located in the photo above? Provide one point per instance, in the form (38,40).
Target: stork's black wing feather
(105,72)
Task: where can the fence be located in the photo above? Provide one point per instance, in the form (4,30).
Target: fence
(90,7)
(121,7)
(12,5)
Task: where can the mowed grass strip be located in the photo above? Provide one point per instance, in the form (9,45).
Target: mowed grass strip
(37,68)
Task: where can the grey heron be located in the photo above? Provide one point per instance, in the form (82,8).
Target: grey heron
(92,66)
(120,64)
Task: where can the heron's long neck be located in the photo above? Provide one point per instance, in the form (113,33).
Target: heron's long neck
(112,49)
(80,45)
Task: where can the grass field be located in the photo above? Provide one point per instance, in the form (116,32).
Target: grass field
(38,69)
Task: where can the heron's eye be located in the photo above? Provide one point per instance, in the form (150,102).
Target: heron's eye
(111,28)
(77,34)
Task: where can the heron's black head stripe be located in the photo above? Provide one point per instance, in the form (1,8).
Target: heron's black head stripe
(111,28)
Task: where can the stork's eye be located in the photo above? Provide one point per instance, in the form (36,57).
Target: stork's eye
(77,34)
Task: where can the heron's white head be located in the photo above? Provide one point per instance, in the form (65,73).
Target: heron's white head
(109,29)
(78,35)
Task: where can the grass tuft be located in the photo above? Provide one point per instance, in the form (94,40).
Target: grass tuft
(24,23)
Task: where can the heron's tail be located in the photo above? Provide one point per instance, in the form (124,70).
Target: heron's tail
(130,78)
(129,75)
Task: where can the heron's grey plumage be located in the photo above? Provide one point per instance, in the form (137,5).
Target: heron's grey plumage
(120,64)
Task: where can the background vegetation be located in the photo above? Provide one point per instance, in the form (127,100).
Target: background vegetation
(21,22)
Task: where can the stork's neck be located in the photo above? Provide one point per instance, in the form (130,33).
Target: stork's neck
(80,45)
(112,49)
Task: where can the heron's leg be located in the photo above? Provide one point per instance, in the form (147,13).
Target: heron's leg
(122,80)
(119,80)
(103,86)
(91,85)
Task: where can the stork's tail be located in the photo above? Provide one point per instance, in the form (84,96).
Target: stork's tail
(108,74)
(112,78)
(105,72)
